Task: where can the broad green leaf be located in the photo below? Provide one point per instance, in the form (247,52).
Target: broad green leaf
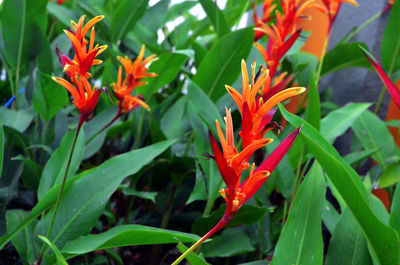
(330,216)
(179,9)
(199,191)
(344,56)
(172,121)
(24,25)
(60,259)
(125,17)
(49,97)
(301,239)
(126,235)
(166,67)
(84,201)
(53,172)
(260,262)
(394,220)
(374,134)
(216,17)
(390,176)
(62,13)
(339,121)
(357,157)
(192,258)
(390,46)
(16,119)
(107,176)
(201,146)
(381,238)
(203,105)
(221,65)
(313,109)
(23,240)
(232,241)
(348,245)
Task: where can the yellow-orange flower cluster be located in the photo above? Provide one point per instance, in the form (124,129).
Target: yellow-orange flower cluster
(281,36)
(77,69)
(134,72)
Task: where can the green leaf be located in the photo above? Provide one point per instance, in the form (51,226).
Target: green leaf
(18,120)
(313,109)
(48,98)
(203,105)
(1,148)
(62,13)
(339,121)
(179,9)
(23,240)
(394,220)
(126,235)
(172,121)
(199,192)
(330,216)
(125,17)
(390,45)
(344,56)
(357,157)
(221,65)
(347,245)
(247,215)
(53,172)
(390,176)
(84,201)
(192,258)
(381,238)
(232,241)
(216,17)
(60,259)
(24,25)
(374,134)
(301,239)
(100,181)
(141,194)
(166,67)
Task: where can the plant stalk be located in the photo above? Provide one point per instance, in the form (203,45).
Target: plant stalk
(48,234)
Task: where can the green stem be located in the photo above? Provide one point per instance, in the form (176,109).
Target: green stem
(298,174)
(140,128)
(105,127)
(361,27)
(321,62)
(189,143)
(50,229)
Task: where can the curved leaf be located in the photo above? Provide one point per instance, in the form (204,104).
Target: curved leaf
(221,65)
(390,46)
(383,240)
(301,239)
(60,259)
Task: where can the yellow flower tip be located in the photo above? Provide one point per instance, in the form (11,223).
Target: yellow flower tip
(98,18)
(55,78)
(299,90)
(235,203)
(353,2)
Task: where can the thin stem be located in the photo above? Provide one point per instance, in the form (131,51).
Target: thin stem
(119,114)
(298,174)
(189,143)
(321,62)
(361,27)
(139,130)
(52,27)
(220,224)
(48,234)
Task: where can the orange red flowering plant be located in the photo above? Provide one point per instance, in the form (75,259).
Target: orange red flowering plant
(256,118)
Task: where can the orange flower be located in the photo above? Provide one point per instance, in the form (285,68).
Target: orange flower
(281,37)
(256,122)
(85,51)
(85,97)
(134,72)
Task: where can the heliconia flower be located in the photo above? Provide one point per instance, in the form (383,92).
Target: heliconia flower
(134,72)
(331,8)
(253,107)
(85,97)
(256,121)
(393,90)
(85,51)
(282,35)
(388,6)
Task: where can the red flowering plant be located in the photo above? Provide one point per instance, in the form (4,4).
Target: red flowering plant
(256,122)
